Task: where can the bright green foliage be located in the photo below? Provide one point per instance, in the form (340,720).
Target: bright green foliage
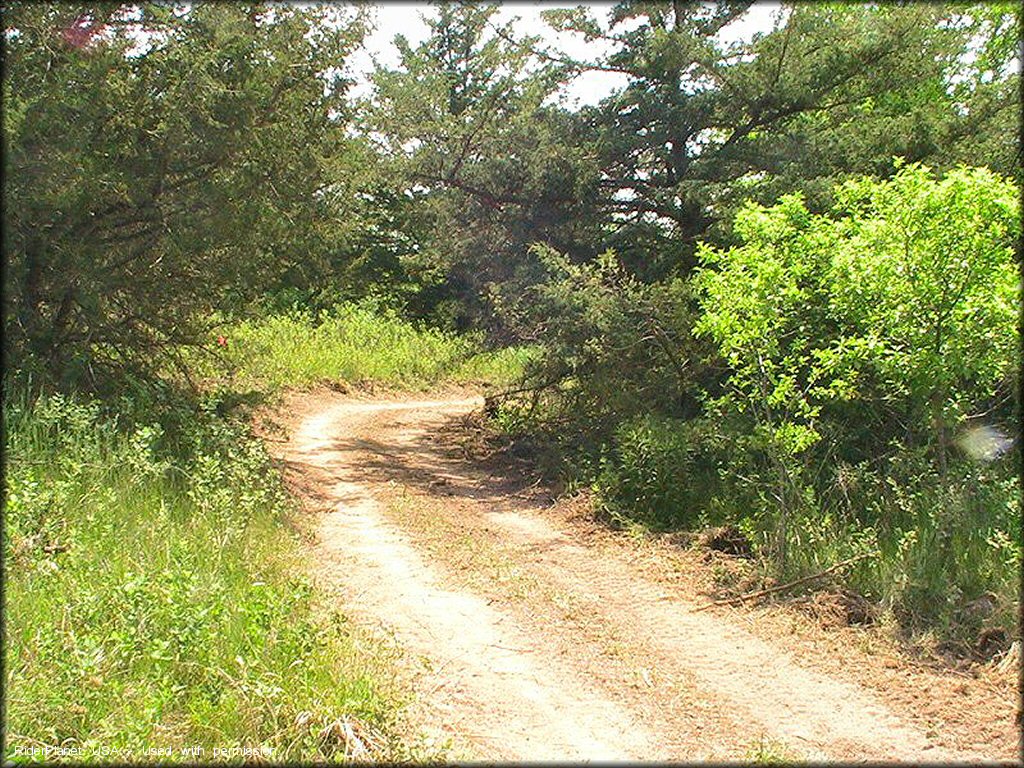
(858,344)
(755,307)
(705,121)
(926,268)
(153,598)
(356,343)
(910,285)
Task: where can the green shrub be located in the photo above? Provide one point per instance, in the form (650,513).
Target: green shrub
(854,348)
(659,472)
(613,348)
(858,344)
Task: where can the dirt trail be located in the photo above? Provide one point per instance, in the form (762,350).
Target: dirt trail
(535,643)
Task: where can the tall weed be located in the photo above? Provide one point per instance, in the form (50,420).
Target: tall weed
(941,544)
(356,343)
(155,600)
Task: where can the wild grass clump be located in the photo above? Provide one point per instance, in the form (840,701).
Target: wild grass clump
(357,343)
(500,367)
(155,601)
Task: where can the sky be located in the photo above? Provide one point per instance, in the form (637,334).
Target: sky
(393,18)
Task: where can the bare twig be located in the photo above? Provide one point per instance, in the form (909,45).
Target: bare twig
(781,587)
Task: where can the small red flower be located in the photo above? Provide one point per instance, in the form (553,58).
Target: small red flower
(222,341)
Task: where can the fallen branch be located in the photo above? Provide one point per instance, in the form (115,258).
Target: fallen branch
(771,590)
(491,401)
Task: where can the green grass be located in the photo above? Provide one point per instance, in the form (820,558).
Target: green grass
(155,600)
(357,343)
(767,751)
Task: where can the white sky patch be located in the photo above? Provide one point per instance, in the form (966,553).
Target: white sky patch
(761,17)
(404,18)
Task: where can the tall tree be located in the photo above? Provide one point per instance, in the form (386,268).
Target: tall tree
(161,162)
(706,121)
(467,123)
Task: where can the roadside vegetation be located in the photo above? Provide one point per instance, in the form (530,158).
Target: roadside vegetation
(848,393)
(155,599)
(356,343)
(156,596)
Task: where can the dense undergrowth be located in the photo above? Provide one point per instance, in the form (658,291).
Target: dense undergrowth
(943,553)
(154,599)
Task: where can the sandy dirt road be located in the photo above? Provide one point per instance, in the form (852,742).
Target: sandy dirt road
(529,638)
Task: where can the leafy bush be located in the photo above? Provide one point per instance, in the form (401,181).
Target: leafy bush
(819,395)
(155,599)
(613,348)
(904,301)
(660,472)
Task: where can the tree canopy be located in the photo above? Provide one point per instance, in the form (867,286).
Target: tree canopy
(705,122)
(161,164)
